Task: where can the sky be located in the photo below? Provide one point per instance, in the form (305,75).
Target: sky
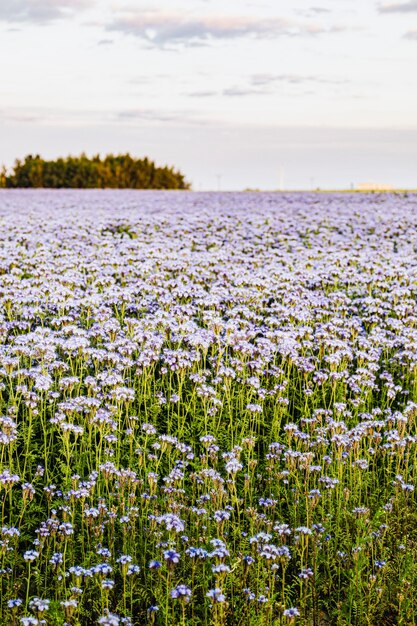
(238,94)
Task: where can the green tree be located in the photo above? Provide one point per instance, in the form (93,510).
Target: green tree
(3,177)
(113,171)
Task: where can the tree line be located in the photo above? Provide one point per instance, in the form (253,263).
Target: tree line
(113,171)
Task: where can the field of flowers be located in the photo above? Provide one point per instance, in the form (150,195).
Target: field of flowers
(208,409)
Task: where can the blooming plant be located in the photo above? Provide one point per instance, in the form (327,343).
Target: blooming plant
(212,421)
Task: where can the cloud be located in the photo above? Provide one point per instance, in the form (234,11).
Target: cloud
(7,116)
(293,79)
(160,28)
(315,11)
(319,10)
(229,92)
(146,79)
(144,114)
(202,94)
(44,116)
(158,116)
(260,84)
(399,7)
(243,91)
(40,11)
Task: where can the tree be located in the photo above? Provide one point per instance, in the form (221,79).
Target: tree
(3,176)
(113,171)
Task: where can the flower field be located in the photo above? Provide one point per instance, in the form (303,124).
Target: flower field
(208,409)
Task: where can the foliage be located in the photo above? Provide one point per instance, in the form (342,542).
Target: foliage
(3,177)
(117,172)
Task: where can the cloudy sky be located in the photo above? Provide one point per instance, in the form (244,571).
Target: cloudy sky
(248,93)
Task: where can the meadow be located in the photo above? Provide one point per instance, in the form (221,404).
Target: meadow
(208,409)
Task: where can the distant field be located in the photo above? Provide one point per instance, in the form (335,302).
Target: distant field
(208,408)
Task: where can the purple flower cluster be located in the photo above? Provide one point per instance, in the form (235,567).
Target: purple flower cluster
(207,406)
